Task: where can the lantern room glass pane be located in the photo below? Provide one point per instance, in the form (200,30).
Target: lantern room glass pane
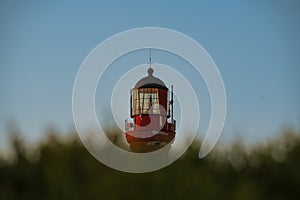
(146,101)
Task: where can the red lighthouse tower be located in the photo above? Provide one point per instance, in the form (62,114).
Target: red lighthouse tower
(152,125)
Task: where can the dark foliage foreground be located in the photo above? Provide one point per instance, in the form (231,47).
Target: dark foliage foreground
(63,169)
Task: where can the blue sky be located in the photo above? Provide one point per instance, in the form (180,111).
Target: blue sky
(255,44)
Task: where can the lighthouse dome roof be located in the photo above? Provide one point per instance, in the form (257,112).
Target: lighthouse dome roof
(150,81)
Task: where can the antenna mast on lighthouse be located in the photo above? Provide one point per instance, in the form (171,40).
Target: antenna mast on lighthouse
(150,59)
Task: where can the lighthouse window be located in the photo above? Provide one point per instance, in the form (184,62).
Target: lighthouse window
(146,101)
(160,121)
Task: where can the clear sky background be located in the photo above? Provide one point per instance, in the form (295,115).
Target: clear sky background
(255,44)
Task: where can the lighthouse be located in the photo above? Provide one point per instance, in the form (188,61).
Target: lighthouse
(151,125)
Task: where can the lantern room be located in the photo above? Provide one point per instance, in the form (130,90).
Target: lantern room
(151,125)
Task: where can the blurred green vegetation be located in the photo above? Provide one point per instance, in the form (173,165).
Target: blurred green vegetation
(61,168)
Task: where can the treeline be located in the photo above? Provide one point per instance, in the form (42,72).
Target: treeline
(59,168)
